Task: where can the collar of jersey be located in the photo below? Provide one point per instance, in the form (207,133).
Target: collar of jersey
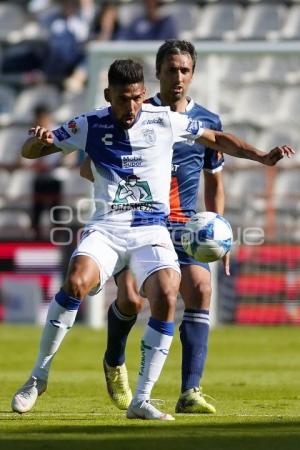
(189,106)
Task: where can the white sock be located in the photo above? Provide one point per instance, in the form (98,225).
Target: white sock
(59,321)
(154,348)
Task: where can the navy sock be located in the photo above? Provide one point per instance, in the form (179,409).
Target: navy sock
(194,336)
(118,329)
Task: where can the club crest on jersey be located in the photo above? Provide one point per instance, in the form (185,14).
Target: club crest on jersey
(73,127)
(193,127)
(149,136)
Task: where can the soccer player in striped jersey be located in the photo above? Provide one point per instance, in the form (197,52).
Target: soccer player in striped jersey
(131,146)
(175,65)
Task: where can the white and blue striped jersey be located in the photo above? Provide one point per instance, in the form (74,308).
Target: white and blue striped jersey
(131,167)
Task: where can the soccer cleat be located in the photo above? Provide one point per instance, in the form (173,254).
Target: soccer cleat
(145,410)
(25,398)
(192,401)
(117,385)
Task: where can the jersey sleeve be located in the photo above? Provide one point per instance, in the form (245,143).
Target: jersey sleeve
(185,128)
(213,160)
(72,135)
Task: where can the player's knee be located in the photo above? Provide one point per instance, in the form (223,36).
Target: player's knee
(201,296)
(168,295)
(130,303)
(78,285)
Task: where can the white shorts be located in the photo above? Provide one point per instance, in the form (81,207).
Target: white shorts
(144,249)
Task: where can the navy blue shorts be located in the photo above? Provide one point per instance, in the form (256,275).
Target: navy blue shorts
(183,257)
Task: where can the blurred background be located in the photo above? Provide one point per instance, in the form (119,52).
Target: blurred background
(54,57)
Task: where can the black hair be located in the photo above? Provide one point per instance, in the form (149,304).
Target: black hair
(175,47)
(41,109)
(125,71)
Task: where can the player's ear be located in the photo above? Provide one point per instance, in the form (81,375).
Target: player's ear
(107,94)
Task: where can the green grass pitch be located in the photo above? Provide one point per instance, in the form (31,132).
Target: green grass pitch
(253,373)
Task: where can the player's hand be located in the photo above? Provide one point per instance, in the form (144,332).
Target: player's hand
(226,263)
(129,193)
(42,134)
(277,153)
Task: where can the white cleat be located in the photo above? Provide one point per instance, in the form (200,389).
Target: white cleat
(25,398)
(145,410)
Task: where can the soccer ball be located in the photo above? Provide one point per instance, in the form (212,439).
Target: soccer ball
(207,237)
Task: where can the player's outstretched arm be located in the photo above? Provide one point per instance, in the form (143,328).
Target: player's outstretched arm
(40,143)
(234,146)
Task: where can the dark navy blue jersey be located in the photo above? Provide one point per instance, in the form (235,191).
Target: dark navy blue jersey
(188,162)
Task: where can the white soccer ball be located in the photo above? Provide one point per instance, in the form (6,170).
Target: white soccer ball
(207,237)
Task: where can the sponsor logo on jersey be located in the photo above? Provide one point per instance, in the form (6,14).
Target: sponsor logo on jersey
(174,168)
(131,161)
(149,135)
(156,121)
(133,194)
(193,127)
(73,126)
(61,134)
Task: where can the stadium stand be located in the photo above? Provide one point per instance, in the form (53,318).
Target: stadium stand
(258,99)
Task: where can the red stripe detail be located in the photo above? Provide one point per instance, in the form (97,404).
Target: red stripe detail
(176,214)
(7,250)
(267,314)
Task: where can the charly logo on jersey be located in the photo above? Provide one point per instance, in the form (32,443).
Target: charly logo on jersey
(133,193)
(129,161)
(149,135)
(107,139)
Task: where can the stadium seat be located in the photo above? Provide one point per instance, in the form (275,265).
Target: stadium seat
(11,140)
(4,181)
(216,20)
(245,195)
(289,110)
(254,104)
(30,98)
(286,192)
(235,69)
(12,18)
(70,106)
(260,19)
(274,69)
(274,136)
(15,223)
(74,186)
(186,18)
(7,99)
(19,191)
(291,27)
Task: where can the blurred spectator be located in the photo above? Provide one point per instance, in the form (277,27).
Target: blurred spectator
(151,25)
(46,188)
(106,26)
(61,47)
(68,31)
